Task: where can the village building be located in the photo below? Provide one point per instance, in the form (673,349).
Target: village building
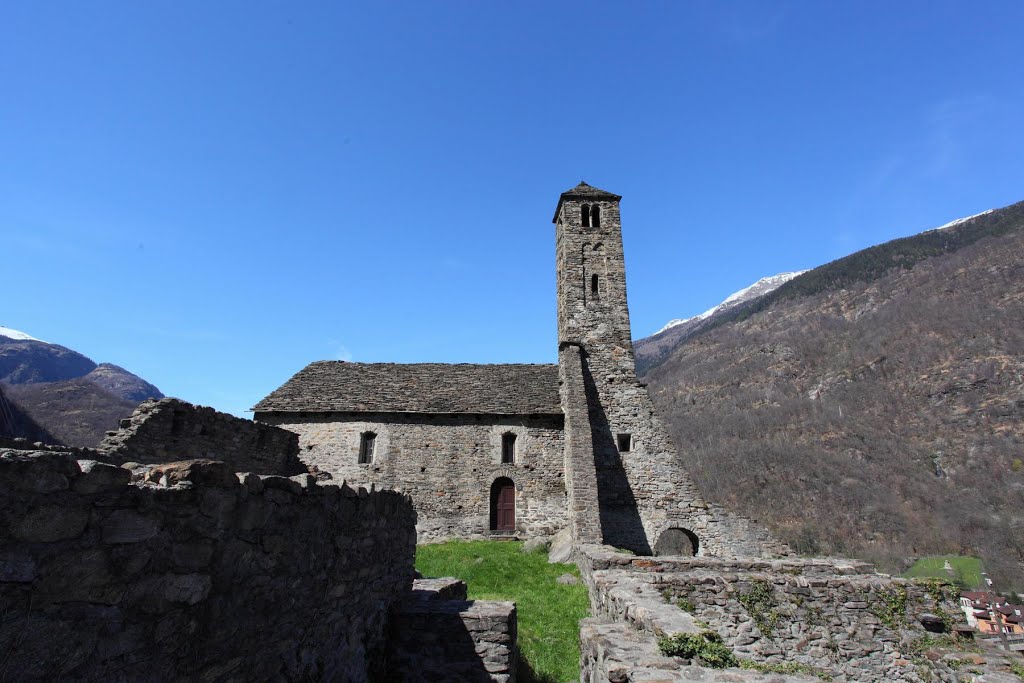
(517,449)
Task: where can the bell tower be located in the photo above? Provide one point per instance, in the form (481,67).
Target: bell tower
(591,272)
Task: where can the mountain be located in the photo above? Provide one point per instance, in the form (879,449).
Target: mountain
(57,394)
(873,406)
(121,383)
(652,350)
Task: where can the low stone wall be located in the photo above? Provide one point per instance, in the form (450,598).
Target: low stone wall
(832,615)
(438,635)
(168,429)
(209,576)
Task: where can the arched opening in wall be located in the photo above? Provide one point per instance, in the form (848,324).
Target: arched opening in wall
(595,216)
(677,541)
(503,505)
(594,282)
(585,215)
(508,448)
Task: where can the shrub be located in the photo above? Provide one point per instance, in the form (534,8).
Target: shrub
(707,647)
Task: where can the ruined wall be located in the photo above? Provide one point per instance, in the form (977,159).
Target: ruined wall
(834,616)
(208,578)
(170,429)
(439,635)
(445,463)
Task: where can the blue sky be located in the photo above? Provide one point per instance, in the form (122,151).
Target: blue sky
(214,194)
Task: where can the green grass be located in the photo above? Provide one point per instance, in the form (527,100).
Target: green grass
(966,570)
(548,612)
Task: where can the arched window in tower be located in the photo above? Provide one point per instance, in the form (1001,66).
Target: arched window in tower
(593,285)
(585,215)
(595,216)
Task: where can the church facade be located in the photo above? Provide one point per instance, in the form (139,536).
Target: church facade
(521,449)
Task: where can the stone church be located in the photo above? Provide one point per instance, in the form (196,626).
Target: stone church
(522,449)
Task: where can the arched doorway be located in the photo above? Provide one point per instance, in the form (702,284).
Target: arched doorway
(676,541)
(503,505)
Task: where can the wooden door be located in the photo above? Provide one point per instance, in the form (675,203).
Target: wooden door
(503,505)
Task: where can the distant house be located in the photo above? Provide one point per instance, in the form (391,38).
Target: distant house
(981,608)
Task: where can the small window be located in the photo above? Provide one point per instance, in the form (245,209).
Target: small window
(593,284)
(595,216)
(508,448)
(625,443)
(366,444)
(585,215)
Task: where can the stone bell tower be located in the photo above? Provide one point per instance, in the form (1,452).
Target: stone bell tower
(592,308)
(625,483)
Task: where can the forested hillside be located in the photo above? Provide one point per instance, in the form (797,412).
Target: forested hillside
(873,407)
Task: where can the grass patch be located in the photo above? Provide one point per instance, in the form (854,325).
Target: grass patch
(966,570)
(549,613)
(706,647)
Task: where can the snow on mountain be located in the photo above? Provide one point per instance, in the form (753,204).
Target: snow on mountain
(15,334)
(958,221)
(759,288)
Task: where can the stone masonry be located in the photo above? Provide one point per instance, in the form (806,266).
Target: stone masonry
(211,577)
(642,489)
(834,617)
(170,429)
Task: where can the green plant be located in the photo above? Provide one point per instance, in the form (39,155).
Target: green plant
(891,607)
(784,668)
(1017,668)
(1017,465)
(686,605)
(759,601)
(706,646)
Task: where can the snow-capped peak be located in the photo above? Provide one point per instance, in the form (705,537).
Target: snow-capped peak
(759,288)
(958,221)
(15,334)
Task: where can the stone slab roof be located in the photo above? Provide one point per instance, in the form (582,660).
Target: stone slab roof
(339,386)
(584,191)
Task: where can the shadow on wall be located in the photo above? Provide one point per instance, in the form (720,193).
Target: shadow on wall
(434,639)
(621,525)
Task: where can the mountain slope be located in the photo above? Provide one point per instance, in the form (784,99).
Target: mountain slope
(873,406)
(652,350)
(57,394)
(75,412)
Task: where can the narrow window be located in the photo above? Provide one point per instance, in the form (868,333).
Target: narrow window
(625,443)
(593,284)
(585,215)
(595,217)
(366,443)
(508,448)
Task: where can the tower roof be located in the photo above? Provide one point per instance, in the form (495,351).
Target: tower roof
(584,191)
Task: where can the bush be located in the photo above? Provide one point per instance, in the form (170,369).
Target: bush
(706,647)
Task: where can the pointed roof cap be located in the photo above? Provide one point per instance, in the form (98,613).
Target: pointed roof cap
(584,191)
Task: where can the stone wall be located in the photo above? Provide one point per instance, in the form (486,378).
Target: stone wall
(170,429)
(439,635)
(210,576)
(835,617)
(446,463)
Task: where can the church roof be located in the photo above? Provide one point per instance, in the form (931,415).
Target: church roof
(584,191)
(339,386)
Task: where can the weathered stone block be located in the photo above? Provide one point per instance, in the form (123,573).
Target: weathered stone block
(128,526)
(51,523)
